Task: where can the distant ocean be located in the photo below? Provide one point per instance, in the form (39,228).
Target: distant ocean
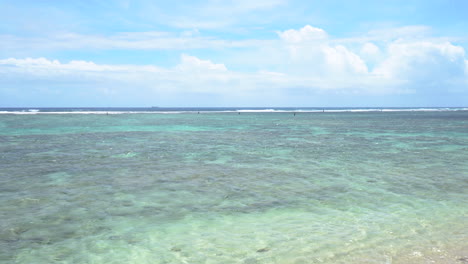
(233,185)
(154,109)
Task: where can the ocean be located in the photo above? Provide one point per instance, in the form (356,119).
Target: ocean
(233,185)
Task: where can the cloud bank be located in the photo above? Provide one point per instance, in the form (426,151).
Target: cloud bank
(299,63)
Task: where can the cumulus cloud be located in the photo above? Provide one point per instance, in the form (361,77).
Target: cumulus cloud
(404,61)
(301,61)
(190,75)
(340,60)
(424,65)
(311,54)
(305,34)
(370,52)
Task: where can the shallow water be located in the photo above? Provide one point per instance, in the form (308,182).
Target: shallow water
(375,187)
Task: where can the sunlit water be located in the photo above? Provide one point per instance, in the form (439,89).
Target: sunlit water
(370,187)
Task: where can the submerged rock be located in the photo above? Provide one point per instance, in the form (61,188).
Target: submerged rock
(176,249)
(263,250)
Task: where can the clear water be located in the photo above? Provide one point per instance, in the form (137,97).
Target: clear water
(373,187)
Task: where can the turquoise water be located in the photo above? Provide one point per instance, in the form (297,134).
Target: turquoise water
(373,187)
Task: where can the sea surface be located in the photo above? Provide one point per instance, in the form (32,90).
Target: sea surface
(234,185)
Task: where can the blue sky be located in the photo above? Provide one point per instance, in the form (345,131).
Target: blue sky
(233,53)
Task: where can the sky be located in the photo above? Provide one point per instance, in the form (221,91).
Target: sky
(366,53)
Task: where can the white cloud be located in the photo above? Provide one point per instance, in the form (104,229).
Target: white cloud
(370,50)
(305,34)
(191,75)
(395,33)
(196,74)
(192,63)
(311,54)
(387,35)
(50,68)
(186,40)
(423,62)
(340,60)
(407,61)
(305,60)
